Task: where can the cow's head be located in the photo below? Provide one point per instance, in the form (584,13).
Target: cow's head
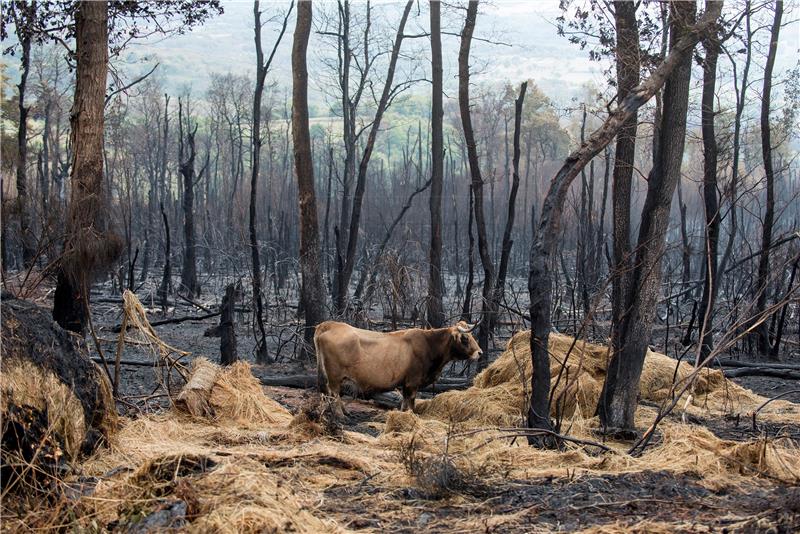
(464,346)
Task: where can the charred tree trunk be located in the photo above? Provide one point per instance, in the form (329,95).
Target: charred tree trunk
(227,331)
(89,247)
(711,202)
(166,277)
(435,286)
(23,14)
(618,400)
(547,234)
(769,173)
(313,290)
(628,66)
(262,68)
(348,265)
(475,173)
(189,270)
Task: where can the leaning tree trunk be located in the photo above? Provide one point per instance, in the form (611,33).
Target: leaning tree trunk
(475,172)
(435,286)
(312,290)
(769,173)
(618,400)
(89,247)
(547,233)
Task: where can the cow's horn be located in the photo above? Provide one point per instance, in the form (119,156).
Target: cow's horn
(469,328)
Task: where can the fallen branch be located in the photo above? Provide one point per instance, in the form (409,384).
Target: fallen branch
(763,371)
(736,363)
(310,381)
(175,320)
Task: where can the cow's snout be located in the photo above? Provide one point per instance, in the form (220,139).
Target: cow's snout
(477,354)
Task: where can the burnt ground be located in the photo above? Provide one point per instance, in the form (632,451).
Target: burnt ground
(550,504)
(564,505)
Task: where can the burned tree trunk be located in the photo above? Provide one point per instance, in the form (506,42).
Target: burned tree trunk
(475,172)
(769,215)
(710,284)
(312,290)
(435,313)
(89,247)
(261,73)
(618,400)
(189,271)
(628,65)
(23,13)
(166,277)
(227,331)
(547,233)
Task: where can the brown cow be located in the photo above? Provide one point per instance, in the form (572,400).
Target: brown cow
(377,362)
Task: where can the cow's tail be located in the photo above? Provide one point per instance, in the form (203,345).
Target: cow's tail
(322,374)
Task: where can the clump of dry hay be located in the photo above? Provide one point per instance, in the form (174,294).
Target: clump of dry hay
(246,465)
(228,394)
(24,384)
(499,393)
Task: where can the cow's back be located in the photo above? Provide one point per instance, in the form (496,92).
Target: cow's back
(375,361)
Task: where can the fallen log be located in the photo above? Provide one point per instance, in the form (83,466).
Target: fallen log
(762,371)
(175,320)
(136,363)
(759,365)
(310,381)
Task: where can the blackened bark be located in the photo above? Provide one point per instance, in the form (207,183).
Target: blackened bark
(435,309)
(262,68)
(547,234)
(166,277)
(475,172)
(628,65)
(189,270)
(312,291)
(227,332)
(710,200)
(89,247)
(618,400)
(23,15)
(348,265)
(769,173)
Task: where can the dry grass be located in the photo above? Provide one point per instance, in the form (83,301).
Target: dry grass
(245,465)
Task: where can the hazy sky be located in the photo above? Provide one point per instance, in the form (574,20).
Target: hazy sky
(225,44)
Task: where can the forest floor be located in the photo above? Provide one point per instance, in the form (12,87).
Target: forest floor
(561,499)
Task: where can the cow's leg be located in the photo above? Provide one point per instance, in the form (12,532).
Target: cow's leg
(334,387)
(409,397)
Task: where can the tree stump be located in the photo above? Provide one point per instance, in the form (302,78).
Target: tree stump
(227,342)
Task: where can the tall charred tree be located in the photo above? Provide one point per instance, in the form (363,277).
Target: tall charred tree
(189,270)
(347,238)
(547,233)
(769,176)
(90,247)
(628,66)
(23,14)
(711,203)
(475,172)
(262,68)
(435,286)
(312,291)
(618,400)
